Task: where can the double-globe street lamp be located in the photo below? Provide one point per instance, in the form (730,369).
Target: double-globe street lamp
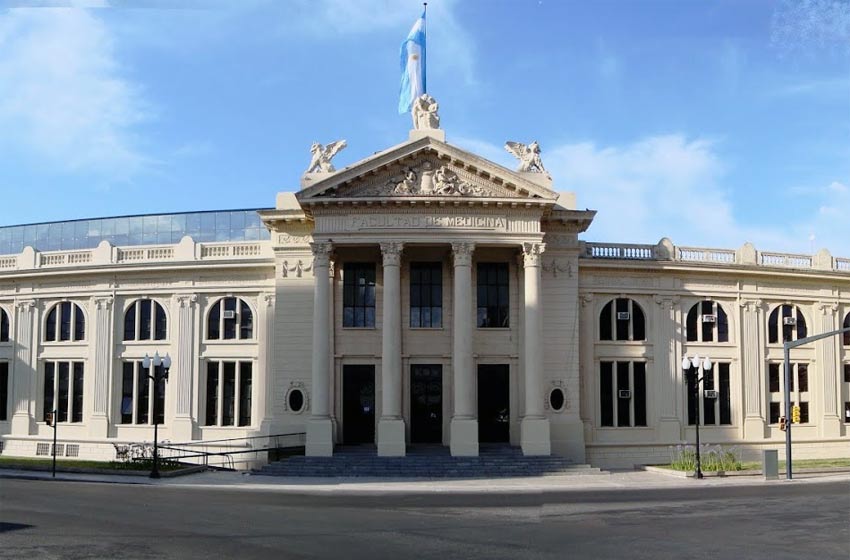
(157,375)
(691,368)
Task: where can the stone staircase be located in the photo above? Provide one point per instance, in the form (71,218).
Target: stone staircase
(426,462)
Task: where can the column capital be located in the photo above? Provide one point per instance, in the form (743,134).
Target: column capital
(268,299)
(462,253)
(828,308)
(25,304)
(391,251)
(321,254)
(666,302)
(531,253)
(187,300)
(103,302)
(752,304)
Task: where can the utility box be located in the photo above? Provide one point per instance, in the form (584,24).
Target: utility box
(770,464)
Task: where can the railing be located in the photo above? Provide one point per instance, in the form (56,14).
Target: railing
(227,453)
(746,255)
(620,251)
(106,254)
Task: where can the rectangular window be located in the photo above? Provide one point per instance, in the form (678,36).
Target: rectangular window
(724,396)
(715,408)
(606,393)
(229,318)
(145,319)
(245,388)
(774,413)
(846,374)
(228,405)
(622,387)
(212,394)
(798,383)
(708,403)
(65,321)
(707,328)
(426,295)
(63,391)
(127,384)
(229,385)
(493,295)
(847,412)
(4,390)
(358,298)
(143,391)
(150,400)
(623,323)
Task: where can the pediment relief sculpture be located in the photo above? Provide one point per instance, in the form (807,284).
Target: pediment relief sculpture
(427,177)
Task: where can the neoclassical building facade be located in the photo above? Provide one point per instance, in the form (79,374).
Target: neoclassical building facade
(421,296)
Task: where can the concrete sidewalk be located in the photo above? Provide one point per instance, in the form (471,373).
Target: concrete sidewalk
(613,481)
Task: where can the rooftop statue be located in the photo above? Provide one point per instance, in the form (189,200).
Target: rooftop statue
(424,112)
(528,156)
(320,159)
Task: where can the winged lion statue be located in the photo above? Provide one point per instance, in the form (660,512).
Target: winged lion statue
(320,156)
(528,156)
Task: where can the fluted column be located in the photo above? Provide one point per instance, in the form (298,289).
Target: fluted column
(320,427)
(535,437)
(102,366)
(826,352)
(183,367)
(751,343)
(391,424)
(464,427)
(22,421)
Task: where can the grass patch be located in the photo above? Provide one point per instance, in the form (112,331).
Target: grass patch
(798,464)
(28,462)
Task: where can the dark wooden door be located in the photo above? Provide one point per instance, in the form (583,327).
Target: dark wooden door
(358,404)
(494,402)
(426,404)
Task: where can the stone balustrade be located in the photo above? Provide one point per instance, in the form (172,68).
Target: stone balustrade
(664,250)
(106,254)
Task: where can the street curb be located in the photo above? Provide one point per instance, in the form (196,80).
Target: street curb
(104,472)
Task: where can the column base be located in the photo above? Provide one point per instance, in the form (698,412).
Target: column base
(464,437)
(320,438)
(99,426)
(669,430)
(831,427)
(754,428)
(391,437)
(22,424)
(535,438)
(183,429)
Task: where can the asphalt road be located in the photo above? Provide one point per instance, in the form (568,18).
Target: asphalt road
(50,519)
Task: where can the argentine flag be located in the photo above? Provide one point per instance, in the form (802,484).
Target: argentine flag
(412,66)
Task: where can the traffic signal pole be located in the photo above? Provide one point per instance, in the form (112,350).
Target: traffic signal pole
(788,415)
(54,442)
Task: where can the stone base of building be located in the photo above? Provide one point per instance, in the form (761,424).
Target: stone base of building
(320,438)
(391,438)
(535,438)
(464,437)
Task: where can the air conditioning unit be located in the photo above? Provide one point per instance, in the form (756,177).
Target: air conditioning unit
(710,394)
(624,394)
(229,314)
(709,318)
(623,316)
(789,320)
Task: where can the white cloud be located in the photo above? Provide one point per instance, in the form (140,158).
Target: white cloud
(64,97)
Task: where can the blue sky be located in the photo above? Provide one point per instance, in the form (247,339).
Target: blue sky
(710,122)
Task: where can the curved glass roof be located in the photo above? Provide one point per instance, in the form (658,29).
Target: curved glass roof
(152,229)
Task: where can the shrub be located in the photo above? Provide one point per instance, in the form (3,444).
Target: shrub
(712,458)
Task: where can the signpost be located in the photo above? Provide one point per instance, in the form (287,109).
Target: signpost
(789,412)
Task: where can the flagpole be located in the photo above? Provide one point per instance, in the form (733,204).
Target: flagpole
(424,66)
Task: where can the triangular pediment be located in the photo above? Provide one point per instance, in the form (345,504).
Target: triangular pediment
(424,168)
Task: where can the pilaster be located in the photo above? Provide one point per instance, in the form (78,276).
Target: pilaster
(752,359)
(102,366)
(826,352)
(667,364)
(25,370)
(182,371)
(266,379)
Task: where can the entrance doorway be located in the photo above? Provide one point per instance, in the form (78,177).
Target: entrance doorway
(426,404)
(358,404)
(494,412)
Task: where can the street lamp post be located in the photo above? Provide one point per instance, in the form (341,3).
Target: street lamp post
(157,375)
(690,368)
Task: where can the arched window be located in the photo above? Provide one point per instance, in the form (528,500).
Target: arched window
(622,319)
(4,325)
(65,322)
(145,320)
(230,319)
(707,322)
(786,323)
(847,326)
